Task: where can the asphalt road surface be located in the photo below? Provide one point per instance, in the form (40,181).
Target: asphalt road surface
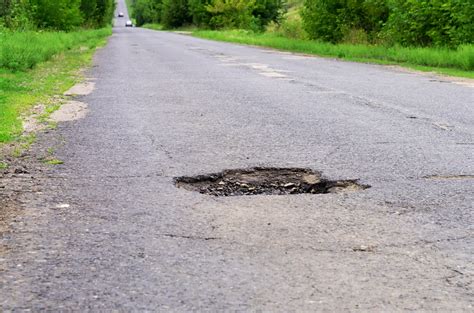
(109,230)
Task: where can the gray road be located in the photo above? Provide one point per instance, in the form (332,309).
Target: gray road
(167,105)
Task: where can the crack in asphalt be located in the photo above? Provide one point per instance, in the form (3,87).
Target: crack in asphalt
(427,242)
(159,147)
(189,237)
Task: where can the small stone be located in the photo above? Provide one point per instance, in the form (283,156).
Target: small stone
(288,185)
(311,179)
(21,171)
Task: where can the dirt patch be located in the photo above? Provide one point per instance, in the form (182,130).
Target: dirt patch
(81,89)
(267,181)
(31,121)
(15,180)
(70,111)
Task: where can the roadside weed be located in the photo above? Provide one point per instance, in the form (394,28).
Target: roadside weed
(55,69)
(459,62)
(53,161)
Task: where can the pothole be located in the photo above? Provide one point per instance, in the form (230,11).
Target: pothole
(267,181)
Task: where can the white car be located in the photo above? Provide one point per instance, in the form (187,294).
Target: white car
(128,24)
(120,14)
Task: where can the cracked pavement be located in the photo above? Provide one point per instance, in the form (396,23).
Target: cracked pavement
(108,230)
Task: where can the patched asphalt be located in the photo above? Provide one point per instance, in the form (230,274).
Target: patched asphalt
(109,230)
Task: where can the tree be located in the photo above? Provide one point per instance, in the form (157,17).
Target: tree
(147,11)
(231,13)
(15,14)
(58,15)
(436,22)
(266,11)
(200,16)
(174,13)
(333,20)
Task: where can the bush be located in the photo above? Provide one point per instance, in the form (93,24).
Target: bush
(335,20)
(291,27)
(147,11)
(231,13)
(174,13)
(266,11)
(200,16)
(407,22)
(15,14)
(431,23)
(57,15)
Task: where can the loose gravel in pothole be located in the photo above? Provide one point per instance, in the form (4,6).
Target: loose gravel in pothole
(268,181)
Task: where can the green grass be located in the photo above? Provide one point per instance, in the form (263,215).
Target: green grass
(458,62)
(23,50)
(37,66)
(53,161)
(183,29)
(153,26)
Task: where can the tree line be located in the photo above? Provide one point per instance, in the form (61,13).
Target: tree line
(62,15)
(403,22)
(213,14)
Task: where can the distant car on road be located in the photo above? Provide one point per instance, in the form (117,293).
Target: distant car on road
(129,24)
(120,14)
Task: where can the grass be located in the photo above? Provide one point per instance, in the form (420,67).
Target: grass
(153,26)
(23,50)
(53,161)
(35,67)
(458,62)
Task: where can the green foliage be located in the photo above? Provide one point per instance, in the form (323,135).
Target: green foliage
(23,50)
(248,14)
(15,14)
(175,13)
(459,61)
(64,15)
(290,27)
(20,90)
(231,13)
(58,15)
(200,16)
(407,22)
(436,22)
(103,14)
(333,20)
(266,11)
(147,11)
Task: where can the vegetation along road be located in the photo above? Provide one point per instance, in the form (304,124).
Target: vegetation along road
(352,190)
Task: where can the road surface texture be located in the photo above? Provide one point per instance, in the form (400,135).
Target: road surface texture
(108,229)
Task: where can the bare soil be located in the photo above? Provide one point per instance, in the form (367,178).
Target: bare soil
(268,181)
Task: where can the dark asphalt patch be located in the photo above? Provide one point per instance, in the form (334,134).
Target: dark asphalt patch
(267,181)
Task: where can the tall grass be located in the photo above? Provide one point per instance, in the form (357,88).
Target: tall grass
(29,74)
(20,51)
(460,59)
